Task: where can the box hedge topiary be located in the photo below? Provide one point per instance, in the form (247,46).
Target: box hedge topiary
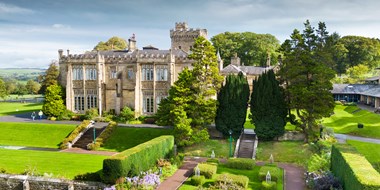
(137,159)
(213,160)
(353,169)
(103,136)
(274,171)
(208,170)
(198,180)
(271,185)
(239,180)
(240,163)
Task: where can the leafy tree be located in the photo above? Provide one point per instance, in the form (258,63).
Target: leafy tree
(114,43)
(189,107)
(32,86)
(307,74)
(252,48)
(356,74)
(268,107)
(3,89)
(50,77)
(53,104)
(232,108)
(21,89)
(11,86)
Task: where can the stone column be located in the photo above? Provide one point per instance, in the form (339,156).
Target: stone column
(69,87)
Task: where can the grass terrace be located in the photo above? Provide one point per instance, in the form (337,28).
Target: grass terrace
(124,138)
(346,118)
(60,164)
(12,108)
(33,134)
(204,149)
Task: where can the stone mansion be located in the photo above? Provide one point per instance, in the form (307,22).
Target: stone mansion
(138,78)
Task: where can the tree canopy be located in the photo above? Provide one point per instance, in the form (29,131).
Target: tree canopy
(3,89)
(307,73)
(253,49)
(53,104)
(114,43)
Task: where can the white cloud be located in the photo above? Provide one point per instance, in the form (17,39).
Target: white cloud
(12,9)
(61,26)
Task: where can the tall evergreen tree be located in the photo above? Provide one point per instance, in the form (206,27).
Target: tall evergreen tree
(50,77)
(268,107)
(307,72)
(53,104)
(232,108)
(190,107)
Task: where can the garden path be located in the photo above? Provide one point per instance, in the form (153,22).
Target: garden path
(176,180)
(342,138)
(83,151)
(294,177)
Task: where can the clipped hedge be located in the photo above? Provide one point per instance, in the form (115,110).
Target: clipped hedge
(198,180)
(274,171)
(240,163)
(213,160)
(239,180)
(208,170)
(271,185)
(80,128)
(137,159)
(103,136)
(353,169)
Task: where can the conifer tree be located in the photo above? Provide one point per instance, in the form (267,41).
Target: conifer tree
(233,101)
(268,107)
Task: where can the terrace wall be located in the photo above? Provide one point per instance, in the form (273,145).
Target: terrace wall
(23,182)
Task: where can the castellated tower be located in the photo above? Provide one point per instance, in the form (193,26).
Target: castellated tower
(183,38)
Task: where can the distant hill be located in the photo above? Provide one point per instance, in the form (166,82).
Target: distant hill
(21,74)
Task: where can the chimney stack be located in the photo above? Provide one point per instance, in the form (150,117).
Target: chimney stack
(132,43)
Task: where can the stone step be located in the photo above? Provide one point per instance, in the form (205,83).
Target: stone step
(88,137)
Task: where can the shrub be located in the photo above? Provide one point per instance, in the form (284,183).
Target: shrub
(239,180)
(197,180)
(91,114)
(275,173)
(178,159)
(353,169)
(213,160)
(208,170)
(319,163)
(139,158)
(270,185)
(127,114)
(240,163)
(103,136)
(80,128)
(66,115)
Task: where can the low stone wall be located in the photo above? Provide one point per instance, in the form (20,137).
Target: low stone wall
(23,182)
(292,136)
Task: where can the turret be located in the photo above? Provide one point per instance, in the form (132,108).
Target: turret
(132,43)
(182,36)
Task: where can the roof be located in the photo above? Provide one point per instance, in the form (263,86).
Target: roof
(374,92)
(351,88)
(248,70)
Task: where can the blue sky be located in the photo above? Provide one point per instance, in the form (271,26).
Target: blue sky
(32,31)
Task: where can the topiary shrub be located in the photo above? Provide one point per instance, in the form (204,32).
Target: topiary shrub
(198,180)
(240,163)
(213,160)
(239,180)
(208,170)
(275,173)
(271,185)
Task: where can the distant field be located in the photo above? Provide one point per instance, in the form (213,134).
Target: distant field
(21,75)
(59,164)
(8,108)
(33,134)
(17,97)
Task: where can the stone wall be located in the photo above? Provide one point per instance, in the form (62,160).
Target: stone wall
(23,182)
(292,136)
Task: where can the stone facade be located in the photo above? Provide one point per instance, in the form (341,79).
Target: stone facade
(110,80)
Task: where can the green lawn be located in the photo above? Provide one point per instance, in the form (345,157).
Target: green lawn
(124,138)
(253,175)
(8,108)
(59,164)
(370,150)
(284,151)
(33,134)
(346,119)
(204,149)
